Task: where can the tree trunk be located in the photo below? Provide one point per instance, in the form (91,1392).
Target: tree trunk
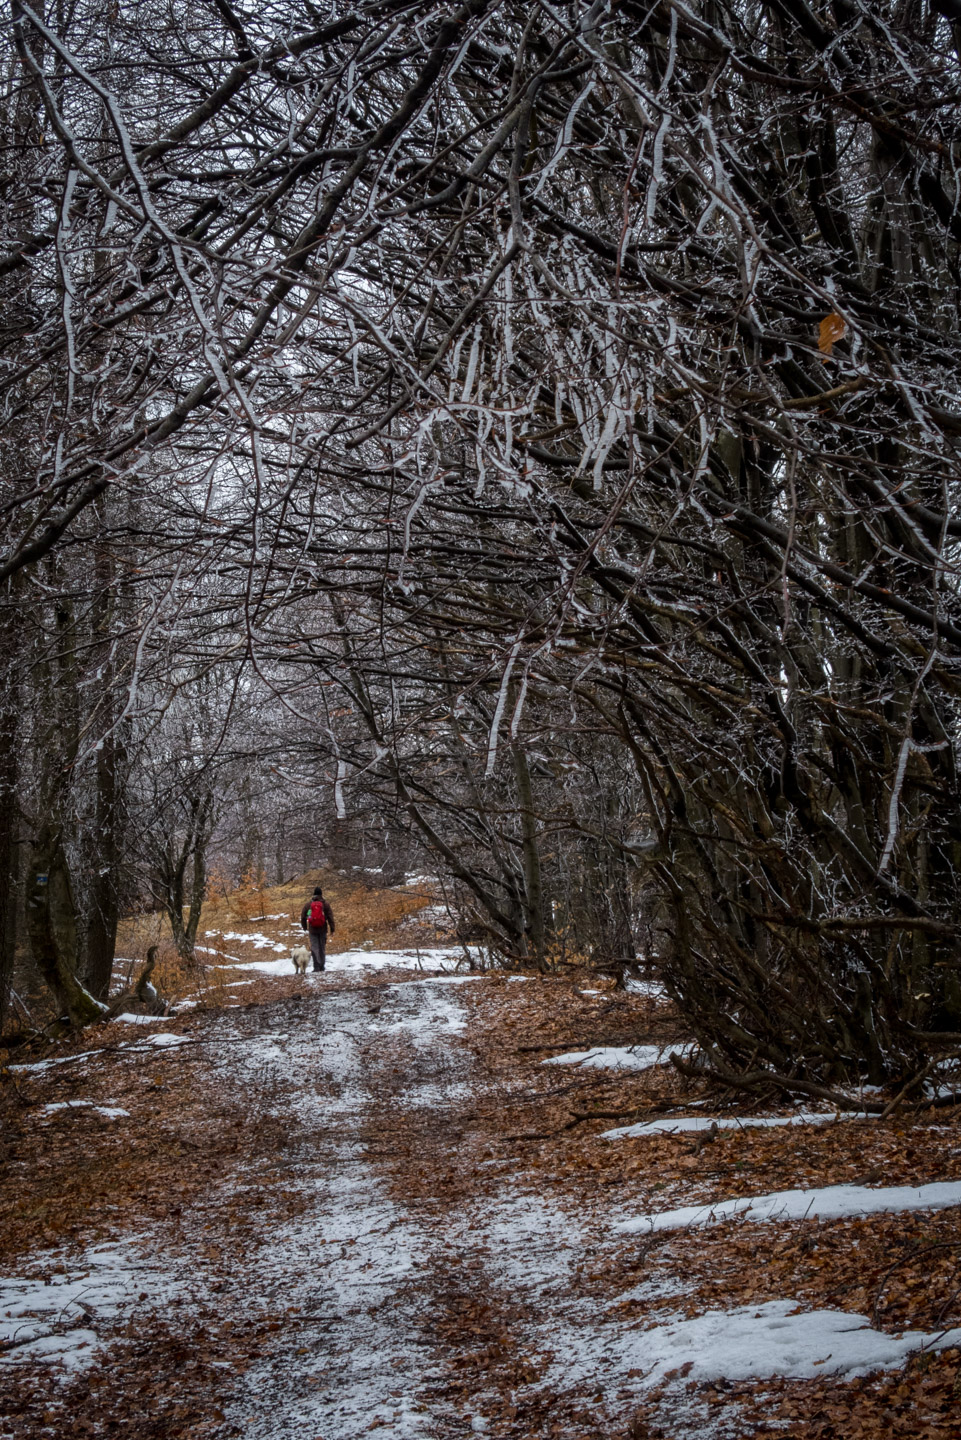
(52,928)
(9,810)
(197,890)
(536,923)
(104,898)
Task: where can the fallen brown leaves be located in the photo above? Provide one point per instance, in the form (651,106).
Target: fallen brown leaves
(901,1270)
(922,1401)
(133,1395)
(837,1265)
(73,1176)
(77,1176)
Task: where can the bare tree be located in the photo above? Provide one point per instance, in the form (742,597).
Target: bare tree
(550,394)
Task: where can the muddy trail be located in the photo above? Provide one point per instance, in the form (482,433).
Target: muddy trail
(371,1207)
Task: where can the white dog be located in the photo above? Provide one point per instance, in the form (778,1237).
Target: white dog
(301,959)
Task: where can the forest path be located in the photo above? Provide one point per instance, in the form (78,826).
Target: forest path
(414,1290)
(363,1203)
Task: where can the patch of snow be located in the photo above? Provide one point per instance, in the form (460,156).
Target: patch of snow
(354,1270)
(258,941)
(661,1286)
(431,958)
(422,1029)
(620,1057)
(137,1019)
(759,1341)
(428,912)
(232,959)
(57,1313)
(829,1202)
(677,1124)
(445,980)
(162,1042)
(60,1060)
(653,989)
(432,1097)
(112,1112)
(514,1230)
(365,1251)
(352,1260)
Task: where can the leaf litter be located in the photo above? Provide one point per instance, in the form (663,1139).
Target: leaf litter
(388,1215)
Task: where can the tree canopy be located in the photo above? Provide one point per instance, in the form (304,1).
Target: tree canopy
(541,421)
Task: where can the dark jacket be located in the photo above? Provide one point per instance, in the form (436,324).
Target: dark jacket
(304,914)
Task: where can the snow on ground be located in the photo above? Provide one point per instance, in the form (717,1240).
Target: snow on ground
(653,989)
(57,1312)
(748,1342)
(359,1268)
(759,1341)
(429,912)
(438,957)
(112,1112)
(161,1042)
(192,1001)
(362,1352)
(677,1124)
(621,1057)
(39,1065)
(258,941)
(445,980)
(363,1263)
(829,1202)
(127,1019)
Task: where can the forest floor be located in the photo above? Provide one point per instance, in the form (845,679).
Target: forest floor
(312,1208)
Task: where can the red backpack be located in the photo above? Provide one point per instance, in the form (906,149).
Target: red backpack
(317,918)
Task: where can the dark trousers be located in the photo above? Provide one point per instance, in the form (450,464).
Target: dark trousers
(318,946)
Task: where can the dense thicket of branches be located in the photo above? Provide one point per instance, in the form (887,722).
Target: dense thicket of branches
(555,409)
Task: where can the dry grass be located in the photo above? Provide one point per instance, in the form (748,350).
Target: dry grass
(378,919)
(363,917)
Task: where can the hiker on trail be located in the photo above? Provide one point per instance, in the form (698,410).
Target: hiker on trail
(315,918)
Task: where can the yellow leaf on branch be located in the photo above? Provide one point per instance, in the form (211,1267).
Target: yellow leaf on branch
(831,329)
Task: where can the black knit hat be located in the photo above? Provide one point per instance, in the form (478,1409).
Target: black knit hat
(318,891)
